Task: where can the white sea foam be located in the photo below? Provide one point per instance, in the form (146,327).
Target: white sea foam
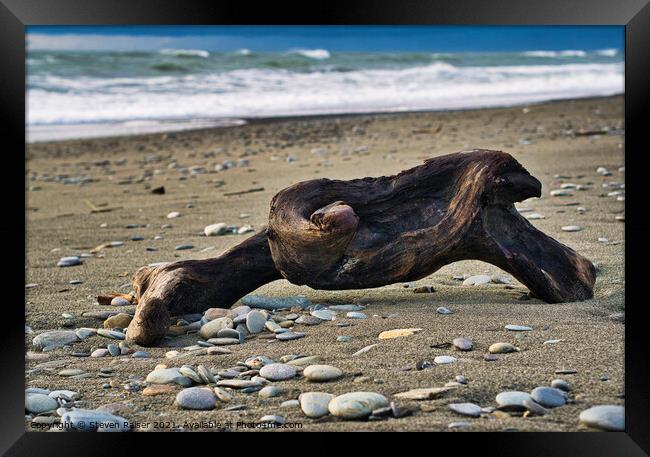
(186,52)
(607,52)
(565,53)
(243,52)
(317,54)
(270,92)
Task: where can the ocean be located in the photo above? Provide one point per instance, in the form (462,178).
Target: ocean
(76,94)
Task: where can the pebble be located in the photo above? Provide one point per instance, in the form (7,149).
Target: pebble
(347,308)
(167,376)
(463,344)
(560,193)
(343,339)
(120,320)
(571,228)
(99,353)
(286,336)
(119,301)
(364,350)
(399,332)
(502,348)
(443,310)
(223,394)
(55,338)
(37,403)
(444,359)
(561,384)
(550,397)
(273,419)
(157,389)
(552,341)
(71,372)
(273,326)
(114,334)
(255,321)
(323,314)
(190,373)
(90,420)
(535,216)
(565,371)
(534,408)
(245,229)
(215,313)
(206,375)
(200,398)
(466,409)
(277,372)
(315,404)
(356,315)
(308,320)
(518,328)
(356,405)
(322,373)
(69,261)
(230,333)
(216,229)
(289,403)
(604,417)
(273,303)
(460,425)
(271,391)
(75,281)
(512,400)
(477,280)
(184,247)
(213,327)
(303,361)
(140,355)
(173,215)
(114,350)
(237,383)
(427,393)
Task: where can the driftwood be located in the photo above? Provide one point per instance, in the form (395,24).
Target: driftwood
(370,232)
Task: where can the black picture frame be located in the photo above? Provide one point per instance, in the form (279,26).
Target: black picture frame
(15,15)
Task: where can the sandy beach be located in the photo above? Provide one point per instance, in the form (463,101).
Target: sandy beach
(84,193)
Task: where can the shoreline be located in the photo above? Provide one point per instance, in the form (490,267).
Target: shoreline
(155,127)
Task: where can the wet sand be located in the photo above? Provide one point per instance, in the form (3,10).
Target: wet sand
(60,222)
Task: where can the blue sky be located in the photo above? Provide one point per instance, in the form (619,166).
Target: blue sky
(332,38)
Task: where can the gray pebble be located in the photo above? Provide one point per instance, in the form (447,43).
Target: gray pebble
(277,372)
(55,338)
(271,391)
(463,344)
(356,405)
(69,261)
(37,403)
(255,321)
(550,397)
(286,336)
(90,420)
(604,417)
(315,404)
(308,320)
(323,314)
(356,315)
(512,400)
(321,373)
(114,350)
(466,409)
(561,384)
(200,398)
